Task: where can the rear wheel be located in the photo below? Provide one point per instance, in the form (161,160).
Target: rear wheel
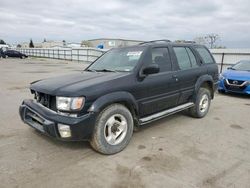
(202,103)
(113,129)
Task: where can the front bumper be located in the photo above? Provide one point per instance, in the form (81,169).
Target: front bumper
(223,86)
(46,121)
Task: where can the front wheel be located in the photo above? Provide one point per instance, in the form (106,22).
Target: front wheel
(202,103)
(113,129)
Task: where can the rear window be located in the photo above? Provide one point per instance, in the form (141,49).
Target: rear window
(205,55)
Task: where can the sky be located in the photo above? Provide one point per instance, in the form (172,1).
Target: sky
(78,20)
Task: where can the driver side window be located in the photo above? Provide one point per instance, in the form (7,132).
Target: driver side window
(161,57)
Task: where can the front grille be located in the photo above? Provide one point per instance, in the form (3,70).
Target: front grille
(46,100)
(235,87)
(235,82)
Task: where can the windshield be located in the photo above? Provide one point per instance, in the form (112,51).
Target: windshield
(242,65)
(119,59)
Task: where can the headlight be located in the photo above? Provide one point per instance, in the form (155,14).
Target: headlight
(69,103)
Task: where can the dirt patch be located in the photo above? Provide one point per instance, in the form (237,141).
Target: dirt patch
(127,178)
(193,153)
(18,88)
(160,163)
(212,181)
(217,118)
(37,72)
(4,136)
(235,126)
(146,158)
(141,147)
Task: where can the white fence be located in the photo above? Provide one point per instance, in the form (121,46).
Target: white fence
(223,57)
(73,54)
(227,57)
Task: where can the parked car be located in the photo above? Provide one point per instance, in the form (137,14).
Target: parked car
(14,53)
(236,78)
(122,90)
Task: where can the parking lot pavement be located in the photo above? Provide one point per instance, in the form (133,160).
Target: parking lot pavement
(178,151)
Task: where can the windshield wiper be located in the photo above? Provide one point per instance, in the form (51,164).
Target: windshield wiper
(90,70)
(105,70)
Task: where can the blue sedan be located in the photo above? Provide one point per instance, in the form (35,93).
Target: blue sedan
(236,79)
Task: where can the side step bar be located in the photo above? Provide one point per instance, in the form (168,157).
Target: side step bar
(165,113)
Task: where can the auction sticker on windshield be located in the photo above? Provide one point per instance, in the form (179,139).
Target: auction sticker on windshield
(135,53)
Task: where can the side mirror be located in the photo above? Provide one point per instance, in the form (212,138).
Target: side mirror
(151,69)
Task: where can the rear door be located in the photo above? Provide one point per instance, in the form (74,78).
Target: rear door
(187,71)
(159,91)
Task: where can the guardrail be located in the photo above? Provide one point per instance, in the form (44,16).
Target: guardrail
(223,57)
(73,54)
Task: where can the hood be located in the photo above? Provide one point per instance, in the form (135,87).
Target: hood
(71,85)
(236,75)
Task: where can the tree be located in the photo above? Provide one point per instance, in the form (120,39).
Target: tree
(44,40)
(31,45)
(2,41)
(19,46)
(200,40)
(211,39)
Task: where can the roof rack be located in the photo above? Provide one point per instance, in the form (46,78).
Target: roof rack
(185,41)
(154,41)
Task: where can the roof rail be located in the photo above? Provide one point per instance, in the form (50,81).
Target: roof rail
(185,41)
(155,41)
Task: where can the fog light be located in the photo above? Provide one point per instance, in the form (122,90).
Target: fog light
(64,131)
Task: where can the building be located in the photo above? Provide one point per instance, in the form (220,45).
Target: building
(111,42)
(4,46)
(73,45)
(46,44)
(51,44)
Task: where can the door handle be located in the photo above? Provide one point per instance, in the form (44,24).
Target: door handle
(175,77)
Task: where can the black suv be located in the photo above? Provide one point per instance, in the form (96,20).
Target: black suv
(122,90)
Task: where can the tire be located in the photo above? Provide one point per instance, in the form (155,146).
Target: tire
(202,104)
(113,129)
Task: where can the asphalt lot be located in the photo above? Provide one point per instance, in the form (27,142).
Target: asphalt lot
(178,151)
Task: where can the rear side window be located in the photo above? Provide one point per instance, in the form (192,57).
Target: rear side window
(185,58)
(205,55)
(182,58)
(161,57)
